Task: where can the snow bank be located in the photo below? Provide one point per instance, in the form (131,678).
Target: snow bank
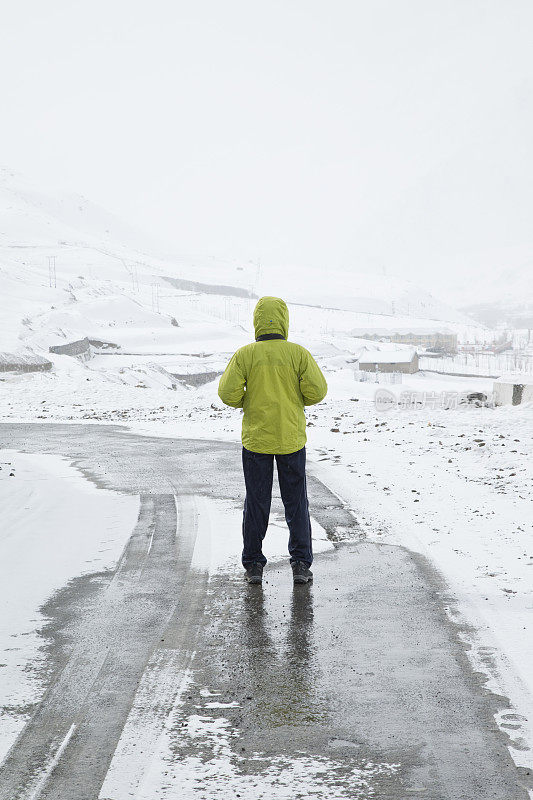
(55,525)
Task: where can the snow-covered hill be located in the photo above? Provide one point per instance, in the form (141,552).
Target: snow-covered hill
(30,215)
(507,298)
(495,286)
(103,266)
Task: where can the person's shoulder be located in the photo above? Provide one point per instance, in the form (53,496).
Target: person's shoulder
(245,350)
(299,349)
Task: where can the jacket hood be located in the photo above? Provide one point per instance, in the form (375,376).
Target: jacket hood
(271,315)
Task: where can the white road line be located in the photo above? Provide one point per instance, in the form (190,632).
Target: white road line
(151,540)
(53,764)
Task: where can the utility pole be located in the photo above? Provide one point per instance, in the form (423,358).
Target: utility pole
(155,297)
(52,277)
(258,271)
(132,272)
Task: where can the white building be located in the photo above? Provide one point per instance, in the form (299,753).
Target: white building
(513,389)
(405,360)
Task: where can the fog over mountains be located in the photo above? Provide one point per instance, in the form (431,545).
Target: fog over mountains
(37,225)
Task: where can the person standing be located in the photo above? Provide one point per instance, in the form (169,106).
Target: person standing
(272,380)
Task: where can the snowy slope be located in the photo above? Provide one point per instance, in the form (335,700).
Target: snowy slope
(496,285)
(507,298)
(97,256)
(31,216)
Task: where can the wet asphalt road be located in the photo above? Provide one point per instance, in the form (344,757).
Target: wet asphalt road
(363,667)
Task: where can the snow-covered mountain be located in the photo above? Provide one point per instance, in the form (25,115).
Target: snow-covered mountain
(69,269)
(30,215)
(507,298)
(496,285)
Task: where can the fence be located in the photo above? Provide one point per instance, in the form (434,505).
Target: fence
(377,377)
(483,364)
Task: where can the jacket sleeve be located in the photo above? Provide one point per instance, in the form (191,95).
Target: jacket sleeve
(313,385)
(231,388)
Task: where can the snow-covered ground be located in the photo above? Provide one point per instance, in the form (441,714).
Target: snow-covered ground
(55,526)
(453,484)
(451,481)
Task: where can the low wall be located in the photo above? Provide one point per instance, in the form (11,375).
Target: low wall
(208,288)
(23,362)
(79,349)
(406,367)
(512,394)
(83,348)
(196,378)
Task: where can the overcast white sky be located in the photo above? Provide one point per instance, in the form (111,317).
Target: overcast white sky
(348,133)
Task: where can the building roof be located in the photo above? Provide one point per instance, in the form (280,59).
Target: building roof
(387,357)
(516,377)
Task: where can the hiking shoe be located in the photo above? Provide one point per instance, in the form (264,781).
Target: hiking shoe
(301,572)
(254,573)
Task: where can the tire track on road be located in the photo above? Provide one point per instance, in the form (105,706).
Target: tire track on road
(373,664)
(90,700)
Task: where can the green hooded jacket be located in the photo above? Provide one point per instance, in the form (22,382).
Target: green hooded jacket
(272,380)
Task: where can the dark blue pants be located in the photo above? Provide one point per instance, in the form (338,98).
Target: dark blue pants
(258,474)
